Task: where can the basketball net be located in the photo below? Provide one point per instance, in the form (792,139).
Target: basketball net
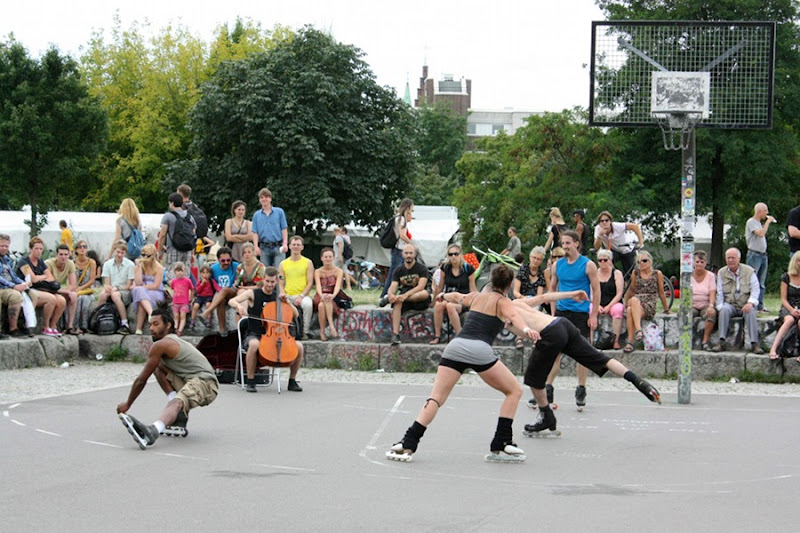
(676,128)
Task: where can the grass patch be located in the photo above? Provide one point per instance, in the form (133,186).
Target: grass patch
(138,359)
(366,296)
(117,353)
(366,363)
(414,367)
(756,377)
(333,364)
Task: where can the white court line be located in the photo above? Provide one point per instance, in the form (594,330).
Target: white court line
(14,405)
(17,422)
(182,456)
(102,443)
(377,434)
(289,468)
(49,433)
(5,413)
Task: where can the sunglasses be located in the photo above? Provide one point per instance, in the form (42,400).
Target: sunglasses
(557,256)
(224,261)
(147,256)
(81,246)
(605,220)
(602,260)
(644,260)
(453,254)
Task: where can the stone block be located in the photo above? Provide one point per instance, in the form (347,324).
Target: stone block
(706,365)
(792,368)
(360,356)
(762,364)
(60,349)
(139,345)
(22,353)
(514,359)
(355,325)
(91,345)
(316,354)
(645,364)
(411,358)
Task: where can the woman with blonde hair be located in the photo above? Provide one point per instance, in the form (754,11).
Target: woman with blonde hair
(790,303)
(127,220)
(612,287)
(456,276)
(646,285)
(530,280)
(557,226)
(148,285)
(250,272)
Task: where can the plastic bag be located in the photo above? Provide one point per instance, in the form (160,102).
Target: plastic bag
(653,339)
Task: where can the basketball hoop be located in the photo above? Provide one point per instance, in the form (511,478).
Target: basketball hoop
(676,128)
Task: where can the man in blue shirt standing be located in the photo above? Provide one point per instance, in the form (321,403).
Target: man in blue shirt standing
(224,273)
(575,272)
(270,233)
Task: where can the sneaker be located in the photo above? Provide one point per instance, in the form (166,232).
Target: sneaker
(251,385)
(124,330)
(706,347)
(580,395)
(383,302)
(223,334)
(763,310)
(3,337)
(721,346)
(17,333)
(395,339)
(757,349)
(51,332)
(25,331)
(294,386)
(138,332)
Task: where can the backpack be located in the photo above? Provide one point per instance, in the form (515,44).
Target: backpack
(389,236)
(104,320)
(789,345)
(136,241)
(347,250)
(200,220)
(183,234)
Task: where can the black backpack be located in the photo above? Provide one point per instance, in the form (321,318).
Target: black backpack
(183,233)
(104,320)
(347,250)
(790,347)
(200,220)
(389,236)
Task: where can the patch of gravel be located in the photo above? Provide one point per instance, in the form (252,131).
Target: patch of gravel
(86,376)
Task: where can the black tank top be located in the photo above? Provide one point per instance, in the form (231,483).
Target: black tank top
(481,327)
(608,289)
(256,327)
(458,283)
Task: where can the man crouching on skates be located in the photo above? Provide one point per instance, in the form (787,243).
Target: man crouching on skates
(184,374)
(561,336)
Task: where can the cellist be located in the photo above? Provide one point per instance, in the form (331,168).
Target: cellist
(251,303)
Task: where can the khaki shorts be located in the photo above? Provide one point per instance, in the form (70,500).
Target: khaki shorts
(10,296)
(194,393)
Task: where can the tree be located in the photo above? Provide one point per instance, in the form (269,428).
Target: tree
(307,120)
(735,169)
(439,142)
(556,159)
(51,131)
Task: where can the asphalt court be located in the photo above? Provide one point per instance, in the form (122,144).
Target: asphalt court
(314,461)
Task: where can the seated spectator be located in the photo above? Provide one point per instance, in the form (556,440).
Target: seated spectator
(98,275)
(182,293)
(737,295)
(11,288)
(611,291)
(250,272)
(704,295)
(63,270)
(43,294)
(328,282)
(118,273)
(646,285)
(86,276)
(530,279)
(407,291)
(250,303)
(455,275)
(223,272)
(790,303)
(206,289)
(296,276)
(148,286)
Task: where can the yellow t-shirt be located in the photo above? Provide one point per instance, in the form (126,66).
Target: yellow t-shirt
(294,273)
(66,238)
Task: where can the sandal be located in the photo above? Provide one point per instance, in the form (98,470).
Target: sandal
(639,335)
(435,340)
(628,347)
(70,331)
(519,344)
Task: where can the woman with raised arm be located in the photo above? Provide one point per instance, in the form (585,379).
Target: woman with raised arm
(612,236)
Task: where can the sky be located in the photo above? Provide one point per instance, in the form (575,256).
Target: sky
(529,55)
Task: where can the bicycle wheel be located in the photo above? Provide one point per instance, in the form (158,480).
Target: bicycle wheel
(669,291)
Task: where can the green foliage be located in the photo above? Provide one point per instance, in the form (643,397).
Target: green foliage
(366,363)
(556,159)
(117,353)
(307,120)
(333,363)
(50,127)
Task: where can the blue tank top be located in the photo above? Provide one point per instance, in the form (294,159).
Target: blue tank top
(481,327)
(573,278)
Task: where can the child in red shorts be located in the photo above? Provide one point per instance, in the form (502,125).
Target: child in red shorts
(182,289)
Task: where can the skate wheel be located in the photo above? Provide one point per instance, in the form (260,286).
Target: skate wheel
(580,408)
(402,457)
(554,406)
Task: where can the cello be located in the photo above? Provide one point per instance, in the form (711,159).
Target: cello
(277,347)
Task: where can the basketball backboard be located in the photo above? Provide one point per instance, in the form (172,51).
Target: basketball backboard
(722,72)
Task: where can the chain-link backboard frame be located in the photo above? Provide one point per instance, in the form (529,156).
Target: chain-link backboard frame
(739,58)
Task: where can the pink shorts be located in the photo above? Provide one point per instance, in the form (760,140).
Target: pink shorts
(180,308)
(616,311)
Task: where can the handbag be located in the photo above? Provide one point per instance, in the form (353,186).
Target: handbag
(47,286)
(653,341)
(343,301)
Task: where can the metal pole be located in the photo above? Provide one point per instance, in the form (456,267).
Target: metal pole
(688,197)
